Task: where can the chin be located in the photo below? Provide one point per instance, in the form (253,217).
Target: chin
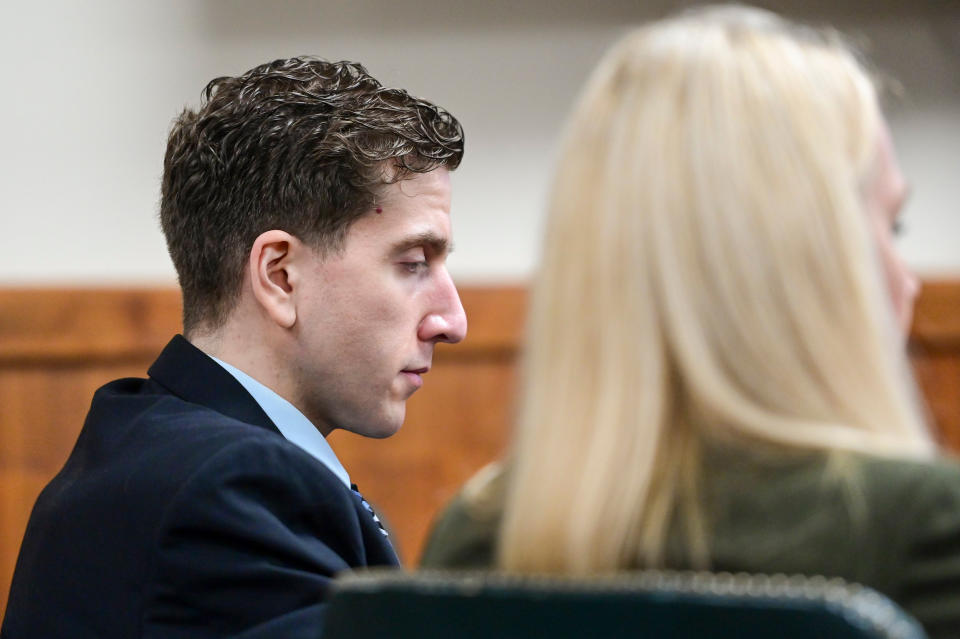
(380,428)
(377,431)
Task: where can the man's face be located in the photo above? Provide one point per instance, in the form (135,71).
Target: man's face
(369,316)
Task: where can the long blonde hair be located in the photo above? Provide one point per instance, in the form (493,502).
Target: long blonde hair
(707,272)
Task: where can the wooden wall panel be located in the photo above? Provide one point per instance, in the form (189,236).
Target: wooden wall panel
(58,345)
(61,326)
(42,407)
(935,353)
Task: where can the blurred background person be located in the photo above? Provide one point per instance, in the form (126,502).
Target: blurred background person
(715,375)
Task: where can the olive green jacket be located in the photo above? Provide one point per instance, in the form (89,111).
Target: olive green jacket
(892,525)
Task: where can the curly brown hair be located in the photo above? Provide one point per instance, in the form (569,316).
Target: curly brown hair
(301,144)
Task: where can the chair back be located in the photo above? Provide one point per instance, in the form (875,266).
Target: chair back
(468,605)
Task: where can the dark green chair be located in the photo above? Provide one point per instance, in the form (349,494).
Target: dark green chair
(468,605)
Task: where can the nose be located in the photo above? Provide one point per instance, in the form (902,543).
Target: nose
(913,286)
(445,321)
(911,289)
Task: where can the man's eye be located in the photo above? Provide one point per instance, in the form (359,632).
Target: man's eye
(415,267)
(897,228)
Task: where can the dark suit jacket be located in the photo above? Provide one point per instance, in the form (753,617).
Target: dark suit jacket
(183,512)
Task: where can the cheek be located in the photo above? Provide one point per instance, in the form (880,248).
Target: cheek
(386,320)
(901,283)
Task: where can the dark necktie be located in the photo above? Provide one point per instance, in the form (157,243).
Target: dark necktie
(369,509)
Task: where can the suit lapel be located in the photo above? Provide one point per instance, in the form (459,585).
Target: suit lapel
(187,372)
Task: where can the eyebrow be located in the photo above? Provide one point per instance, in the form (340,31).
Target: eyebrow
(437,244)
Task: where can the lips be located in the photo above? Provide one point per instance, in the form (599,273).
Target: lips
(413,375)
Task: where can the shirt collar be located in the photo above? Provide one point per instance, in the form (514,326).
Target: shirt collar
(291,423)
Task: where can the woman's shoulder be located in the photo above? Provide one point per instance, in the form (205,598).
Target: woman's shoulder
(881,480)
(888,478)
(922,492)
(920,505)
(890,489)
(863,516)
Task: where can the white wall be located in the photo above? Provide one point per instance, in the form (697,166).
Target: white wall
(89,89)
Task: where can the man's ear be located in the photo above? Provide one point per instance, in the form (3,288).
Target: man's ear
(272,273)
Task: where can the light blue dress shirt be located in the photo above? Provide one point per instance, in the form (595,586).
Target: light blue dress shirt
(290,422)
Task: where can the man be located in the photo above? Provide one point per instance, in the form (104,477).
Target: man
(306,210)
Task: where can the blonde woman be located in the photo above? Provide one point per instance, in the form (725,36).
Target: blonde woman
(715,375)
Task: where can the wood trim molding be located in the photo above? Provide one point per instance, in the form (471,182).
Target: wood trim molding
(936,317)
(70,325)
(63,326)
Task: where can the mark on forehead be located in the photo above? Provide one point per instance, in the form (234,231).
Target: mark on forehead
(379,210)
